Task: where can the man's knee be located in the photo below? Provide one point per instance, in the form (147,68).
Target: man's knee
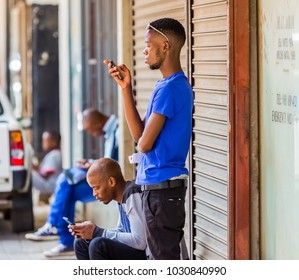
(99,245)
(99,242)
(80,244)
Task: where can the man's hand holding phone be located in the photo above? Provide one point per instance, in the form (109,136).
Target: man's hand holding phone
(112,65)
(84,230)
(120,73)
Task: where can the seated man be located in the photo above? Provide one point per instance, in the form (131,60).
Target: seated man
(72,186)
(127,241)
(44,175)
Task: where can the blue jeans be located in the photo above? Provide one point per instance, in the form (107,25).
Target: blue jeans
(65,196)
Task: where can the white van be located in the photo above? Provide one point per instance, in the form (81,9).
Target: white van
(15,170)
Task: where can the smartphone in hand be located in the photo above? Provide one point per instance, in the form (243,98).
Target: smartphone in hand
(68,221)
(113,65)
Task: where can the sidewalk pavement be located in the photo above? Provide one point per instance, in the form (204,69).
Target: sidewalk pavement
(14,246)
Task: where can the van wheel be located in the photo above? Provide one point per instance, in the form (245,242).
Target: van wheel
(22,217)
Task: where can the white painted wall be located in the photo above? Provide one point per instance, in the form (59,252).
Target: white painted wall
(124,55)
(64,80)
(3,43)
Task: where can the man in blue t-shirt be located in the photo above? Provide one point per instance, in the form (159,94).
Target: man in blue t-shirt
(71,185)
(163,137)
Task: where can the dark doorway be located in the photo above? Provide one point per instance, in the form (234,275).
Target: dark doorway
(45,72)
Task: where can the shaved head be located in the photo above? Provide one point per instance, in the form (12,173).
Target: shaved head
(105,168)
(94,122)
(92,115)
(106,180)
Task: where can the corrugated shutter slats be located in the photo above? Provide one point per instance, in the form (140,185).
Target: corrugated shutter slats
(210,142)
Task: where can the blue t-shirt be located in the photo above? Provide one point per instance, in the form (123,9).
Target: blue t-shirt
(173,98)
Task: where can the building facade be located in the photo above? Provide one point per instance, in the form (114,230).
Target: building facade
(241,58)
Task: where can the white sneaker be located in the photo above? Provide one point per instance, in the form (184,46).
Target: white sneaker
(45,233)
(59,250)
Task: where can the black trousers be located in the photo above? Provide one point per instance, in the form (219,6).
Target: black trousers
(164,212)
(101,248)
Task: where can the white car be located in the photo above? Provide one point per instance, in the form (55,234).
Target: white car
(15,170)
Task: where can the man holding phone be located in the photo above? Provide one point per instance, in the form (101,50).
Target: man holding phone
(127,240)
(71,185)
(163,136)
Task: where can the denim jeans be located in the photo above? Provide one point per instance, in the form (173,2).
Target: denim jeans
(65,197)
(101,248)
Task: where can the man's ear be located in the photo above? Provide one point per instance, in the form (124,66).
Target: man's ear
(112,181)
(166,46)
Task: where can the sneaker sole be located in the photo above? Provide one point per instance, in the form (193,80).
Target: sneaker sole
(49,254)
(41,238)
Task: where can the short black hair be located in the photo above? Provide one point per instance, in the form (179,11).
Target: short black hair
(170,26)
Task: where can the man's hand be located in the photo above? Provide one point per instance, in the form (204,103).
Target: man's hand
(83,164)
(84,230)
(121,70)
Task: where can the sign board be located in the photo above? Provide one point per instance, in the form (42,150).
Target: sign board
(279,127)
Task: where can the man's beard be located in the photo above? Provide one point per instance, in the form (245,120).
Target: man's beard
(156,65)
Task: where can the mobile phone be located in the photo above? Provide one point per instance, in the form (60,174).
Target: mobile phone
(68,221)
(113,65)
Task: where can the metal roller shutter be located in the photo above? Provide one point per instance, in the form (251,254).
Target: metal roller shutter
(211,128)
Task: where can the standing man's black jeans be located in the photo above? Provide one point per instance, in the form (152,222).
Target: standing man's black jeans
(164,211)
(101,248)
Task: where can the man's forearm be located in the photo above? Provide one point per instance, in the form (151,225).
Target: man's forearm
(134,121)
